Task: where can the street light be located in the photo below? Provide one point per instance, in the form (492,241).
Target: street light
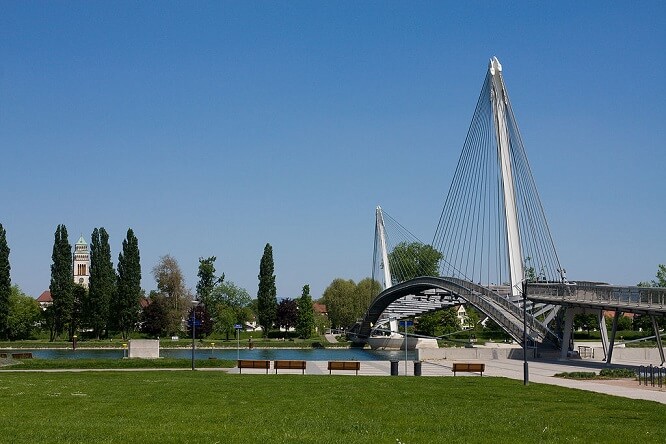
(526,373)
(194,326)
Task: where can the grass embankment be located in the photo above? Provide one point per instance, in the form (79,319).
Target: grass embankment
(163,407)
(182,342)
(134,363)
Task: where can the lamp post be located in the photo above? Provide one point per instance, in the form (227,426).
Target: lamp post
(526,373)
(194,326)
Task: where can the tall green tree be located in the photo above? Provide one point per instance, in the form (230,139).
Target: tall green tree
(62,284)
(412,260)
(207,280)
(5,284)
(339,298)
(230,305)
(102,285)
(24,315)
(267,294)
(126,306)
(305,322)
(366,290)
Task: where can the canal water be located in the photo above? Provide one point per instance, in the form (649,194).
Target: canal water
(351,354)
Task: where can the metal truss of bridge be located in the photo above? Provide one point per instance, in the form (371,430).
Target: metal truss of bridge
(494,241)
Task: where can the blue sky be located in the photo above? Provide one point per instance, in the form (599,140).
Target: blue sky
(214,128)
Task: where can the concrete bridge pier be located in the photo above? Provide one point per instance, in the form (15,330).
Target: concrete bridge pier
(567,334)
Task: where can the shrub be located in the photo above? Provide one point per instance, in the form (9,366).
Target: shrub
(617,373)
(577,375)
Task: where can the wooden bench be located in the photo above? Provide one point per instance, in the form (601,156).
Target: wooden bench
(21,355)
(344,365)
(252,363)
(473,367)
(289,365)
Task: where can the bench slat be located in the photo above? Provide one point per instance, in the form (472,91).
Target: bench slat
(287,365)
(472,367)
(251,363)
(344,365)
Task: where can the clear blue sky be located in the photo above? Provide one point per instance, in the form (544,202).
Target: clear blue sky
(213,128)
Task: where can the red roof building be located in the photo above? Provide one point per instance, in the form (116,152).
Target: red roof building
(45,299)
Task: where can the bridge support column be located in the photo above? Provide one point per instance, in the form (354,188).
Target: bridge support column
(657,336)
(616,318)
(568,330)
(603,330)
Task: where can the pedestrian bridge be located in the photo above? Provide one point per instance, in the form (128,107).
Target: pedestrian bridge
(493,248)
(640,300)
(498,307)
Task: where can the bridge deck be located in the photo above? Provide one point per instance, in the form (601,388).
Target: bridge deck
(641,300)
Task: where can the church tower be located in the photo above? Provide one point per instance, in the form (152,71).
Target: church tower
(81,262)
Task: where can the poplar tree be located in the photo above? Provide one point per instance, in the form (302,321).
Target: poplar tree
(207,280)
(305,321)
(126,306)
(102,285)
(62,284)
(267,294)
(5,284)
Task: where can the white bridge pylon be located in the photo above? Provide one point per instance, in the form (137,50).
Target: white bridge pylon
(380,237)
(492,231)
(500,99)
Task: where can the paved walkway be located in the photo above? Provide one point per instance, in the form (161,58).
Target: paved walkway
(539,372)
(330,338)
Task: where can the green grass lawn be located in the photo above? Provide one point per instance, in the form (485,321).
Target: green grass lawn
(208,407)
(134,363)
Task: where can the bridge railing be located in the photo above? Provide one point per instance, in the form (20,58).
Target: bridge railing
(602,294)
(535,330)
(503,301)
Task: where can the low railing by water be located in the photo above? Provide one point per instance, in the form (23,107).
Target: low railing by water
(651,376)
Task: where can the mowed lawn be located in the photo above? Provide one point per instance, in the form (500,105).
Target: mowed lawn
(212,406)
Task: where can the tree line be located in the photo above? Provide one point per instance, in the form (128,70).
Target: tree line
(115,303)
(111,301)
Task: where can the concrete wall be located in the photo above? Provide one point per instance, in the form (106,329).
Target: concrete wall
(482,354)
(643,356)
(647,355)
(144,348)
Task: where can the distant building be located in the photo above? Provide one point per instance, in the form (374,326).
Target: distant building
(461,313)
(319,308)
(81,263)
(80,271)
(45,300)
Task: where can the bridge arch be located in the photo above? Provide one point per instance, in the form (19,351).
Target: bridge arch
(507,314)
